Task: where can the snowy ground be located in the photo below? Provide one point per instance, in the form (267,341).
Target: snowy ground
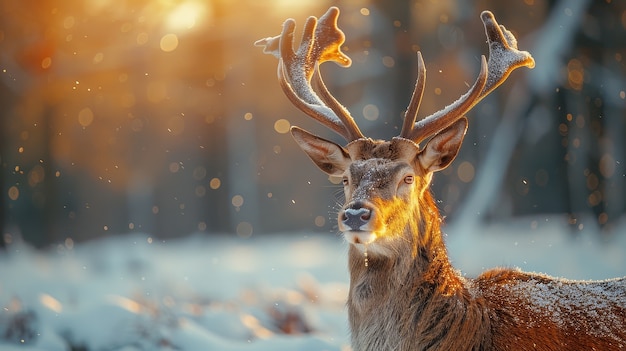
(283,292)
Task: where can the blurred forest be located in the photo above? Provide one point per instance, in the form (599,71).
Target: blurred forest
(160,116)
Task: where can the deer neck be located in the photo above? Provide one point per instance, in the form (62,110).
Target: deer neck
(425,262)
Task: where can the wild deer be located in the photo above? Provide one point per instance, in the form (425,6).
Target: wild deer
(404,293)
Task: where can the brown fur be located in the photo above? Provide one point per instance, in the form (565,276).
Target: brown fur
(404,293)
(409,297)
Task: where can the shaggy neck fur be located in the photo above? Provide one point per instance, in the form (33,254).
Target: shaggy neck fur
(413,299)
(415,292)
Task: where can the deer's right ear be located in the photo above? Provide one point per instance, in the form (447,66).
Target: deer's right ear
(331,158)
(441,150)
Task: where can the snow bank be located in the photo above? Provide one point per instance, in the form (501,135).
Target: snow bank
(283,292)
(138,293)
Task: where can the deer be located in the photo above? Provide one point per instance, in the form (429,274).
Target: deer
(404,293)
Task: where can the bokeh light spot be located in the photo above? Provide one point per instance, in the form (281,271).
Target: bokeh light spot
(14,193)
(575,74)
(200,191)
(237,201)
(244,229)
(202,226)
(607,165)
(142,38)
(466,172)
(320,221)
(36,175)
(85,117)
(371,112)
(282,126)
(97,58)
(46,62)
(174,167)
(389,62)
(69,22)
(215,183)
(169,42)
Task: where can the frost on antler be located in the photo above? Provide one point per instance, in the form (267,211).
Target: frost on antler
(321,41)
(300,79)
(504,56)
(327,34)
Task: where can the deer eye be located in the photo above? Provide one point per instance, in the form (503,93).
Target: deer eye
(409,179)
(345,181)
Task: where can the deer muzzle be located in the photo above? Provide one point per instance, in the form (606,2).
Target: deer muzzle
(356,218)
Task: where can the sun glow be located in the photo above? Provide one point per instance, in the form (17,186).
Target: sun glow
(186,15)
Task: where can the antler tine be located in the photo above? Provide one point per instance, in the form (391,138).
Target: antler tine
(504,57)
(416,98)
(445,117)
(352,130)
(320,43)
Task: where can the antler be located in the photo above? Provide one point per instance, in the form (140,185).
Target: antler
(296,71)
(504,57)
(320,43)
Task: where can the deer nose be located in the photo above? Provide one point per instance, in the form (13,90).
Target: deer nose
(356,217)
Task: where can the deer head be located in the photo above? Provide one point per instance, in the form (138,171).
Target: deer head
(385,182)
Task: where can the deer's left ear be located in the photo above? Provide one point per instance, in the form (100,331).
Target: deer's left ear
(441,150)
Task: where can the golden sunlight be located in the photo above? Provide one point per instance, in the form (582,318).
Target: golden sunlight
(186,15)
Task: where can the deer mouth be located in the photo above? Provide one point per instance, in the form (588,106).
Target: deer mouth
(358,221)
(359,237)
